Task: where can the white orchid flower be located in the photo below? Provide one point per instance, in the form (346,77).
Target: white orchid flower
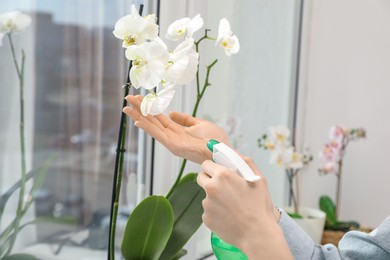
(133,29)
(280,135)
(226,39)
(269,145)
(156,103)
(184,28)
(281,157)
(13,22)
(286,158)
(296,161)
(149,60)
(183,63)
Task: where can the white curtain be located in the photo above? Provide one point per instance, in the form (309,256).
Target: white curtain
(75,68)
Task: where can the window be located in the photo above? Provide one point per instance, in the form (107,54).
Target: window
(74,71)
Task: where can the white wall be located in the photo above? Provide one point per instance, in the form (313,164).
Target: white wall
(345,80)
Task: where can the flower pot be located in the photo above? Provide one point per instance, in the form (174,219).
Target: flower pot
(312,223)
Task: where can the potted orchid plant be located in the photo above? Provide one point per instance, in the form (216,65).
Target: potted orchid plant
(331,157)
(285,155)
(160,226)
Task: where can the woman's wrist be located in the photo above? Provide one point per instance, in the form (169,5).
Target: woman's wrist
(268,243)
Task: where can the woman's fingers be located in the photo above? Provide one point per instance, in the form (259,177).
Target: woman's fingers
(135,113)
(212,169)
(155,132)
(183,119)
(131,112)
(203,179)
(135,101)
(166,122)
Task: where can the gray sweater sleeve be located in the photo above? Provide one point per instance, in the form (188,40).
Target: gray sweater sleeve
(354,245)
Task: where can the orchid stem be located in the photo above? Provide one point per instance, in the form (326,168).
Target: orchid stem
(194,112)
(20,72)
(338,190)
(117,183)
(118,172)
(206,84)
(344,144)
(205,37)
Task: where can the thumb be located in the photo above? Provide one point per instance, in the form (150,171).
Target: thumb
(183,119)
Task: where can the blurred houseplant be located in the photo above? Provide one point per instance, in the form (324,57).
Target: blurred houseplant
(331,157)
(285,155)
(14,23)
(160,226)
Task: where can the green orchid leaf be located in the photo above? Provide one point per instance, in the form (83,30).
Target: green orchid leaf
(39,172)
(6,195)
(345,225)
(52,220)
(40,178)
(20,257)
(186,201)
(148,229)
(180,254)
(294,215)
(328,206)
(190,177)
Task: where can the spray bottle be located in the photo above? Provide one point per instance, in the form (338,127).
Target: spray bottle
(224,155)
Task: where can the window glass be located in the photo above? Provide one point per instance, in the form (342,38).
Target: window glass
(74,70)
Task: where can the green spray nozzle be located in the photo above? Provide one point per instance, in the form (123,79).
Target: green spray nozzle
(211,143)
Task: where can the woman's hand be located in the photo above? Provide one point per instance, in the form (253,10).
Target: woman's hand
(242,213)
(182,134)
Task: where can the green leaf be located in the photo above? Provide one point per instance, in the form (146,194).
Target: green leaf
(186,201)
(190,177)
(345,225)
(148,229)
(40,178)
(50,219)
(20,257)
(294,215)
(39,172)
(5,197)
(328,206)
(180,254)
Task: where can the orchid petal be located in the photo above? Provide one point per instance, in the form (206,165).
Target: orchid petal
(184,28)
(226,39)
(14,22)
(178,29)
(194,25)
(183,63)
(223,30)
(134,29)
(149,61)
(156,103)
